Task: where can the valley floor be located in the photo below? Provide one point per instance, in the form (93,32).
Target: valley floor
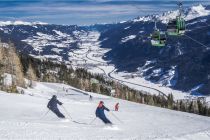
(89,56)
(23,117)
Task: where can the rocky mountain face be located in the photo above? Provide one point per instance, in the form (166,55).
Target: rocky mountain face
(183,64)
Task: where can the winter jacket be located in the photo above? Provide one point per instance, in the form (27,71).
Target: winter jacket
(100,111)
(100,114)
(116,107)
(52,104)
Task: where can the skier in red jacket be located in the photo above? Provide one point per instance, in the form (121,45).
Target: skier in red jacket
(116,108)
(100,113)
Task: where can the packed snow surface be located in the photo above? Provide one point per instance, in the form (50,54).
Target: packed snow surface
(24,117)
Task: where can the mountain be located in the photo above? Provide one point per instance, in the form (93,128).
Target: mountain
(42,39)
(183,64)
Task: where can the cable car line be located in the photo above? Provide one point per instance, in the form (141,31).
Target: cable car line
(197,28)
(196,41)
(175,27)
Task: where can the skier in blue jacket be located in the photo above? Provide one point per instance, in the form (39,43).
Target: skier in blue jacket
(100,113)
(52,105)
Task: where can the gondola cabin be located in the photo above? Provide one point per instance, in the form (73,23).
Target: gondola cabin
(158,39)
(176,27)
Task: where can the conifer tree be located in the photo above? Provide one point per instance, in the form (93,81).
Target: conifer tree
(151,101)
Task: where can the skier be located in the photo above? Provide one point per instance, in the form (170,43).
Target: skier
(90,98)
(100,113)
(116,107)
(52,105)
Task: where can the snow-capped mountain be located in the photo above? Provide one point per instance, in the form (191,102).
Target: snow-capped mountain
(188,14)
(183,64)
(6,23)
(50,41)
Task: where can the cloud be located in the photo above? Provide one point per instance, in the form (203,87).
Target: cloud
(79,11)
(64,10)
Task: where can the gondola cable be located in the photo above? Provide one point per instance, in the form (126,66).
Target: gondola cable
(196,41)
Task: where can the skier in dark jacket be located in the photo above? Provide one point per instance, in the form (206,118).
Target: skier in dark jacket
(100,113)
(52,105)
(90,98)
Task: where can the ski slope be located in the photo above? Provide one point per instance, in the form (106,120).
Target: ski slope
(23,117)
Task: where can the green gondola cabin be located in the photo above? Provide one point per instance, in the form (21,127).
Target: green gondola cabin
(158,39)
(176,27)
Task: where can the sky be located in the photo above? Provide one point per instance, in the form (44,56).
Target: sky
(85,12)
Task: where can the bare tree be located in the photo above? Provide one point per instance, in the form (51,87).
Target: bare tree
(31,76)
(16,67)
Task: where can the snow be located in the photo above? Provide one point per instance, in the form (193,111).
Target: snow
(24,117)
(57,50)
(157,72)
(179,50)
(170,78)
(40,40)
(6,23)
(123,22)
(5,45)
(189,14)
(89,56)
(168,16)
(56,57)
(45,36)
(141,84)
(145,19)
(89,53)
(197,11)
(7,79)
(130,37)
(60,33)
(127,27)
(194,90)
(192,13)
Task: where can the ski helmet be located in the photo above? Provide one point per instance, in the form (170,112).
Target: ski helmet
(101,102)
(54,96)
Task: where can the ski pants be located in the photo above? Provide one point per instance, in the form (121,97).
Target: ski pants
(58,113)
(105,120)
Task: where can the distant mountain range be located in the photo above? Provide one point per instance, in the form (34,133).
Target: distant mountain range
(183,64)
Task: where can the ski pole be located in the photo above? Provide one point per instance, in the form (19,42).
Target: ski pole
(45,114)
(71,117)
(93,120)
(67,112)
(116,117)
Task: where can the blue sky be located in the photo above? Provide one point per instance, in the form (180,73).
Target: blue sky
(84,12)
